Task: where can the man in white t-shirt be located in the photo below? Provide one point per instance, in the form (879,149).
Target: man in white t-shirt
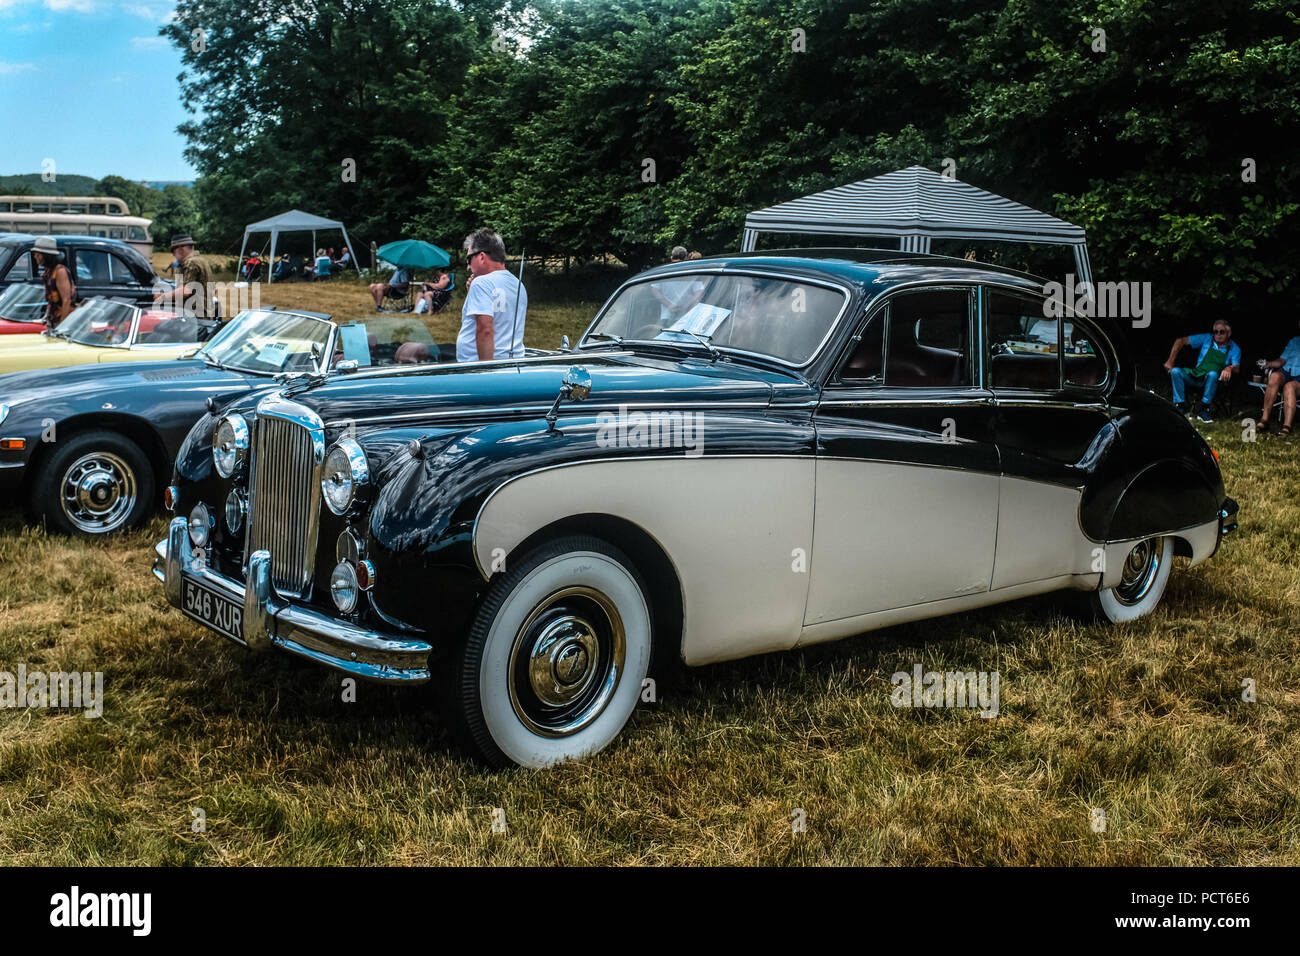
(496,303)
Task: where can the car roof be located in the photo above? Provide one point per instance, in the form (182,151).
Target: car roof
(19,238)
(871,269)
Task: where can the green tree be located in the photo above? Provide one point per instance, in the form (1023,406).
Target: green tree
(141,200)
(176,213)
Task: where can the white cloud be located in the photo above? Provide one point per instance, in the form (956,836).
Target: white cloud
(8,68)
(77,6)
(148,43)
(153,12)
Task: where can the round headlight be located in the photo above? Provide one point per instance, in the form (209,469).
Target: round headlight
(343,587)
(230,445)
(200,525)
(235,511)
(345,476)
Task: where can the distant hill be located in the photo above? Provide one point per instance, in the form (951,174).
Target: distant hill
(68,184)
(65,184)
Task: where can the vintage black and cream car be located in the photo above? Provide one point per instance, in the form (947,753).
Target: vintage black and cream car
(741,455)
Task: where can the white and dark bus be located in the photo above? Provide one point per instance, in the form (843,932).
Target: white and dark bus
(104,216)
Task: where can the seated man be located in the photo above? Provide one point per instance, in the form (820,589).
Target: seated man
(394,288)
(1284,377)
(283,268)
(1218,361)
(435,295)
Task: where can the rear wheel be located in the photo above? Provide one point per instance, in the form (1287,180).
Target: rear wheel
(94,483)
(553,665)
(1142,584)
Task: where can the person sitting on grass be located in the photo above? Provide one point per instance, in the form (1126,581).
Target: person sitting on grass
(394,288)
(435,295)
(1285,378)
(1218,361)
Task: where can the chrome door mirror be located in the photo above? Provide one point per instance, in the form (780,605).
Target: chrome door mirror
(576,385)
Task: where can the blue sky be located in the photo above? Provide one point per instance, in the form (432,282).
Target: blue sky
(91,85)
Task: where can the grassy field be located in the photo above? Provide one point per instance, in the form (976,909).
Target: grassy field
(1145,722)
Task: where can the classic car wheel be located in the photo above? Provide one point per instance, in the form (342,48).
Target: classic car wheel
(1146,572)
(553,665)
(96,483)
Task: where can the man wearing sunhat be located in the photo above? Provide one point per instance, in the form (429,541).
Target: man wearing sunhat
(192,294)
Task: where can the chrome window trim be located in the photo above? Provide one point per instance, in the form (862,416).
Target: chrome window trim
(881,303)
(1109,357)
(843,288)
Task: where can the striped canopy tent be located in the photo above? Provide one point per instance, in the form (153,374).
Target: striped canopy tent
(916,205)
(295,220)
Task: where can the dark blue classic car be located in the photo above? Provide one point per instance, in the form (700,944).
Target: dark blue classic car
(86,448)
(743,454)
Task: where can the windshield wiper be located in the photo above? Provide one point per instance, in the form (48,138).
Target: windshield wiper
(702,339)
(616,339)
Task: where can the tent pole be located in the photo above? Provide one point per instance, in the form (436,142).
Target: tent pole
(239,267)
(270,266)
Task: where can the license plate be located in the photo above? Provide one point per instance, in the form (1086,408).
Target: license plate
(215,610)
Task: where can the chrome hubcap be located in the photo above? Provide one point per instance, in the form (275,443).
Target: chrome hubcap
(98,493)
(1140,570)
(566,662)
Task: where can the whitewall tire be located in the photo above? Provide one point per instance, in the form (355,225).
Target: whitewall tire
(553,665)
(1146,572)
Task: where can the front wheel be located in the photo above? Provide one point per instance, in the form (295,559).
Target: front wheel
(553,665)
(94,483)
(1146,572)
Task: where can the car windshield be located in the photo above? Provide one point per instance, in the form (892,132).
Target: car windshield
(101,322)
(23,302)
(386,340)
(783,319)
(269,342)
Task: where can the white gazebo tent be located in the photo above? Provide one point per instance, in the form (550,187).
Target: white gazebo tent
(916,205)
(295,220)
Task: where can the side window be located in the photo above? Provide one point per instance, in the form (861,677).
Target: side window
(1023,344)
(927,340)
(865,365)
(21,268)
(92,266)
(119,272)
(1082,353)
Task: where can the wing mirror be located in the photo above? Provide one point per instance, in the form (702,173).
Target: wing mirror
(575,385)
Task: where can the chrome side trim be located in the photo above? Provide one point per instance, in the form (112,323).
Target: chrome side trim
(526,411)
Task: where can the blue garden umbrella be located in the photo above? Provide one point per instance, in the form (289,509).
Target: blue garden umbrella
(414,254)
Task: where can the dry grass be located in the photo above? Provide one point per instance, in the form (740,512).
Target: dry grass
(1144,721)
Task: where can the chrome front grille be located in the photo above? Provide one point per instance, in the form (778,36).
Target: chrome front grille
(288,449)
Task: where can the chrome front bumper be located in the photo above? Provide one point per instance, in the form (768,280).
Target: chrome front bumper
(270,621)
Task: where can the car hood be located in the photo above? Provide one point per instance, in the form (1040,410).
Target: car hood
(528,387)
(50,385)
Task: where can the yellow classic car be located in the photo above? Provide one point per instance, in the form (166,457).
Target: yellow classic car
(105,330)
